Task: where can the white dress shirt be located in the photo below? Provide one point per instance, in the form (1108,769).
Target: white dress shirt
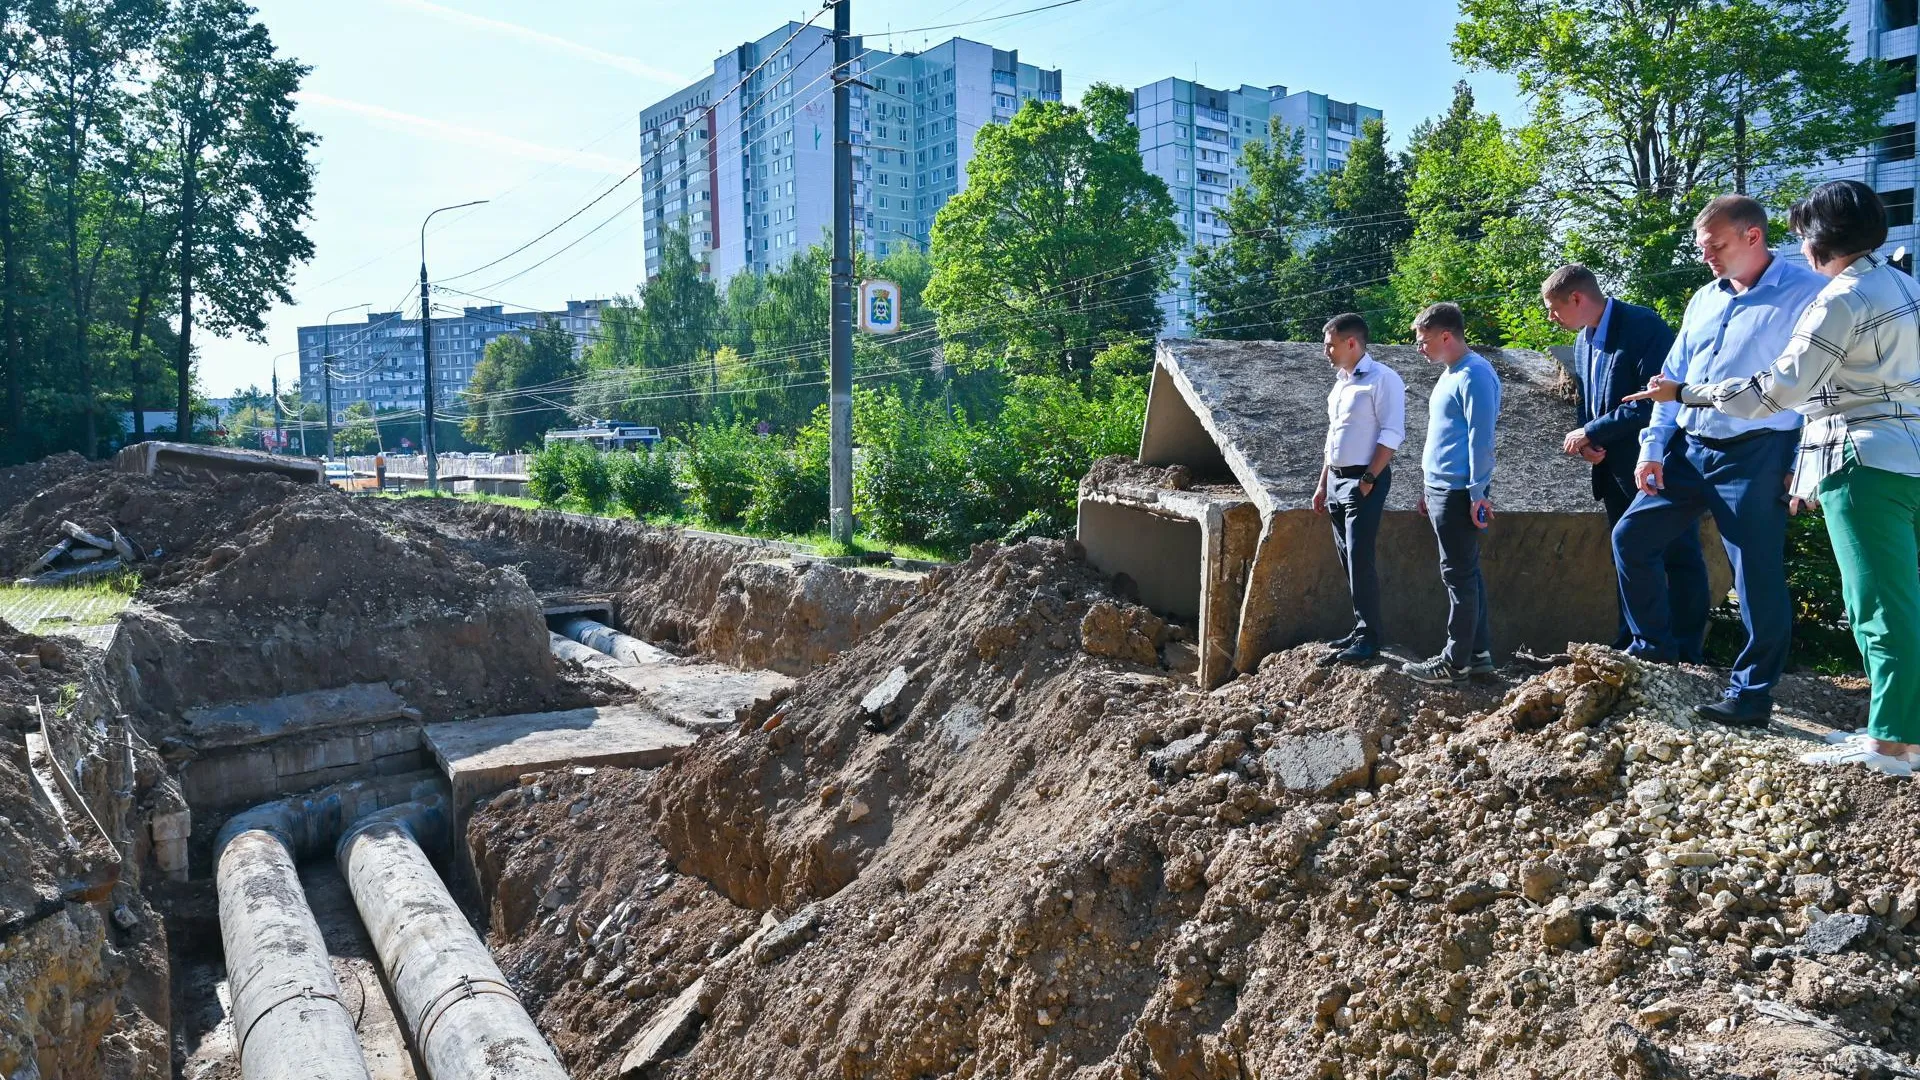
(1366,408)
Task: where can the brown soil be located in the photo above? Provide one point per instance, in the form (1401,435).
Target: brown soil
(1050,863)
(731,601)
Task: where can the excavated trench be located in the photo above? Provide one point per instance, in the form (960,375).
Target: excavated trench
(242,819)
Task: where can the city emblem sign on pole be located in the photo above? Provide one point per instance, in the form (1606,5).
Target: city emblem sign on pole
(879,307)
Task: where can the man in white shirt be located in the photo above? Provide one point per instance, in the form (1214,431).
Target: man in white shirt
(1366,420)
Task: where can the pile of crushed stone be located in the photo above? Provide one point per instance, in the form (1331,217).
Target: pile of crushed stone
(970,846)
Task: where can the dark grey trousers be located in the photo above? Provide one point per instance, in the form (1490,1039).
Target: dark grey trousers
(1452,515)
(1356,528)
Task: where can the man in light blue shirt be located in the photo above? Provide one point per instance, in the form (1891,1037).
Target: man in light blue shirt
(1695,461)
(1459,470)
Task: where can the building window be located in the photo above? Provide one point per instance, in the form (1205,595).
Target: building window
(1897,143)
(1904,65)
(1900,13)
(1899,207)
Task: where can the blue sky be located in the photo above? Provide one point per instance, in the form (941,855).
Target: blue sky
(423,103)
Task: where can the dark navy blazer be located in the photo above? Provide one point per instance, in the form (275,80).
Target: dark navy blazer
(1634,343)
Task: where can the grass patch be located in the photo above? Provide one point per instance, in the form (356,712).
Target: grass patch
(56,609)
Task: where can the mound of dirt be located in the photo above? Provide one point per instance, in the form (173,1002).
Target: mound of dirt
(992,853)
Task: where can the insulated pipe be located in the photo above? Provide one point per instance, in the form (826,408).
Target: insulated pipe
(288,1019)
(465,1021)
(568,649)
(599,635)
(287,1015)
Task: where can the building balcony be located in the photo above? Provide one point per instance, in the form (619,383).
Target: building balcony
(1210,118)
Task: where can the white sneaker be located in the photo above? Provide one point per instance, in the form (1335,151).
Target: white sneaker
(1835,738)
(1859,753)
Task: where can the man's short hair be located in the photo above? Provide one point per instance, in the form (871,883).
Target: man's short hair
(1569,279)
(1349,324)
(1840,217)
(1442,316)
(1743,212)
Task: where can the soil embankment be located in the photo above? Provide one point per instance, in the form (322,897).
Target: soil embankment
(1051,862)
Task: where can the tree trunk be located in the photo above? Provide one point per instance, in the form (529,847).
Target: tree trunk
(90,445)
(9,306)
(183,365)
(133,354)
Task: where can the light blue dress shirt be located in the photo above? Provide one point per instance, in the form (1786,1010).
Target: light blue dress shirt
(1727,335)
(1597,341)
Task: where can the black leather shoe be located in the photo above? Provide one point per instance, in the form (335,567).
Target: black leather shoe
(1357,653)
(1735,713)
(1342,641)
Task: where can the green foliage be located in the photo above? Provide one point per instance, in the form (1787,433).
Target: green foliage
(643,481)
(791,482)
(547,473)
(926,478)
(500,415)
(1480,236)
(588,479)
(1059,243)
(1822,638)
(1366,223)
(722,462)
(1634,109)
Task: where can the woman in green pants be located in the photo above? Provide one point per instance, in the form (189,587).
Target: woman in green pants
(1853,370)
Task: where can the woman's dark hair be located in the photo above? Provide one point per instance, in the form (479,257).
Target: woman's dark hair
(1840,217)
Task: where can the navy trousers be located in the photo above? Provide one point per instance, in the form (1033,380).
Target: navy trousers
(1356,529)
(1742,485)
(1687,586)
(1452,515)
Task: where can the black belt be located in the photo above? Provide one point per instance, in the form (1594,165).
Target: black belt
(1728,444)
(1348,472)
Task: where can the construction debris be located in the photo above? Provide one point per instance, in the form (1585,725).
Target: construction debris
(80,556)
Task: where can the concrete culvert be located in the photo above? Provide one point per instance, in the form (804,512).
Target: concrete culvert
(465,1021)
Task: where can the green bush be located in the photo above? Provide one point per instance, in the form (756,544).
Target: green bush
(791,481)
(643,481)
(720,464)
(911,481)
(1822,639)
(547,475)
(589,483)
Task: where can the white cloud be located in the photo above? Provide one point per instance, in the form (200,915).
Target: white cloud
(528,33)
(466,136)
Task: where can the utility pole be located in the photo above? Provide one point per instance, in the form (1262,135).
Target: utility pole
(426,352)
(840,363)
(279,436)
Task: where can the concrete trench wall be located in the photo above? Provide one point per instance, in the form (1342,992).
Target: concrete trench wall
(241,777)
(1550,580)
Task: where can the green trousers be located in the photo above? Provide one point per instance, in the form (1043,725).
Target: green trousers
(1873,517)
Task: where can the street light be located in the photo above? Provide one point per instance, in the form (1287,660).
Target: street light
(426,350)
(326,370)
(279,434)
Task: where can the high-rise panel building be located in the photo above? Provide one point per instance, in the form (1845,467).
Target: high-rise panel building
(748,175)
(1888,30)
(380,361)
(1191,137)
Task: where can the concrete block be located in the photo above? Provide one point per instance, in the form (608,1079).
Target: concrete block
(1320,762)
(290,759)
(171,824)
(395,740)
(483,756)
(228,780)
(153,457)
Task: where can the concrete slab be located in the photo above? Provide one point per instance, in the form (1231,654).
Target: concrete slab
(251,722)
(701,696)
(480,757)
(153,457)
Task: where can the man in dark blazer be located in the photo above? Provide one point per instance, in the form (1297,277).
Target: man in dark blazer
(1617,347)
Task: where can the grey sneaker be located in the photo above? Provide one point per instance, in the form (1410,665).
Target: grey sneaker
(1435,672)
(1482,664)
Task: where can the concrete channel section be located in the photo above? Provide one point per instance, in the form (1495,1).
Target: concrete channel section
(436,1004)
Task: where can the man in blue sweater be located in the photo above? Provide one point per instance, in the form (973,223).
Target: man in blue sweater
(1459,470)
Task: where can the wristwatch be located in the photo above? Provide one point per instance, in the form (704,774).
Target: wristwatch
(1369,478)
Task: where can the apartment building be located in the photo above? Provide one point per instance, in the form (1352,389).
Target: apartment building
(1887,30)
(749,175)
(380,361)
(1191,137)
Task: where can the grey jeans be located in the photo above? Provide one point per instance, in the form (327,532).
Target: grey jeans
(1451,513)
